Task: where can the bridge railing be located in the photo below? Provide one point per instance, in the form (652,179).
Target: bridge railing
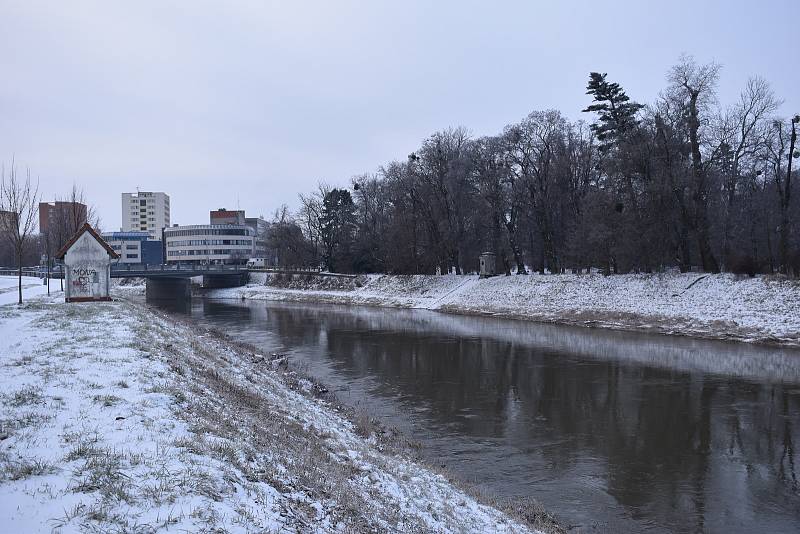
(175,267)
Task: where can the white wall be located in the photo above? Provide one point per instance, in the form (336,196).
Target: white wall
(88,267)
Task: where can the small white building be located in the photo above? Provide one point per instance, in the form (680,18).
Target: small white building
(487,265)
(87,266)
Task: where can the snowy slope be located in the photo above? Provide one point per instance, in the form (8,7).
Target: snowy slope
(115,419)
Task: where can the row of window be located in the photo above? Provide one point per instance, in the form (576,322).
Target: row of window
(197,242)
(207,252)
(143,201)
(208,231)
(150,209)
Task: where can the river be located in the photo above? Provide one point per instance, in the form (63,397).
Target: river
(611,431)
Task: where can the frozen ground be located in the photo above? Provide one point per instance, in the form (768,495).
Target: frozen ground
(761,309)
(115,419)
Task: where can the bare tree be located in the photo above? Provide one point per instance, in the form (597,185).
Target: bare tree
(741,134)
(79,211)
(66,217)
(694,86)
(19,203)
(783,181)
(310,216)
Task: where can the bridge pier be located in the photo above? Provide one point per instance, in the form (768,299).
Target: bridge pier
(212,281)
(168,288)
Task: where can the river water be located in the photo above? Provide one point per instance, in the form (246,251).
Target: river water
(611,431)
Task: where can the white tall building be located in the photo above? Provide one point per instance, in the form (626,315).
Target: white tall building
(145,211)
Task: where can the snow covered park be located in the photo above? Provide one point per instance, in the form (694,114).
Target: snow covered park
(723,306)
(116,419)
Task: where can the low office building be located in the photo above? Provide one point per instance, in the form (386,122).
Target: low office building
(209,243)
(136,247)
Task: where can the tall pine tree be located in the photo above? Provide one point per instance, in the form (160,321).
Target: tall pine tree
(616,112)
(337,228)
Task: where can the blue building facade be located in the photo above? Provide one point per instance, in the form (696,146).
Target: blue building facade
(136,247)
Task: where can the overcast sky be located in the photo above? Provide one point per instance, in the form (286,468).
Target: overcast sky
(248,103)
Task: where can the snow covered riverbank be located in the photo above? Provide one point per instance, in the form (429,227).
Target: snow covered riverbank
(723,306)
(115,418)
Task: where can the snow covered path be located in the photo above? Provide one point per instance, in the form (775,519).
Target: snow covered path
(117,419)
(723,306)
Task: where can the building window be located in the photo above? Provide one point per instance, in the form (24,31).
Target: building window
(132,256)
(131,247)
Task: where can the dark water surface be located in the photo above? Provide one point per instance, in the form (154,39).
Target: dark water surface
(612,431)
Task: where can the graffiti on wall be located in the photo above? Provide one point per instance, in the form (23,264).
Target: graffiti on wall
(83,278)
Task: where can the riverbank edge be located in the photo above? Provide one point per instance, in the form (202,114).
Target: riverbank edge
(606,317)
(527,511)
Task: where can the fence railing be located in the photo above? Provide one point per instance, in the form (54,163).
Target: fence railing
(31,272)
(299,271)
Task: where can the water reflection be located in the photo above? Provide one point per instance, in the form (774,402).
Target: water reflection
(613,431)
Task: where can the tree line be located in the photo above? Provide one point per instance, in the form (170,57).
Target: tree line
(683,182)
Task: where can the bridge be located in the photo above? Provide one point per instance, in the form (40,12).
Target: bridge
(163,281)
(177,270)
(172,281)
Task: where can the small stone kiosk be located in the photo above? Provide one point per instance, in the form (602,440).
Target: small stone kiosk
(87,266)
(487,264)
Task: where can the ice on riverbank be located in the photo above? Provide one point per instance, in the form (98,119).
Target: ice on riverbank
(760,309)
(115,419)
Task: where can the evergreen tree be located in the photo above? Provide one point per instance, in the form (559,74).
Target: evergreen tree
(616,112)
(337,227)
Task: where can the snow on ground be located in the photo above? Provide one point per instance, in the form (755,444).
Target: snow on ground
(115,419)
(31,286)
(761,309)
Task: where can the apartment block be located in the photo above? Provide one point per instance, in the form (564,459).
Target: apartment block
(61,216)
(145,211)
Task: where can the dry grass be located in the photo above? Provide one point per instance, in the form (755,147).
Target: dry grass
(21,468)
(300,456)
(244,425)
